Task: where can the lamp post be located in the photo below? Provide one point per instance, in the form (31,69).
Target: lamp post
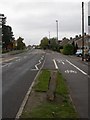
(82,31)
(57,30)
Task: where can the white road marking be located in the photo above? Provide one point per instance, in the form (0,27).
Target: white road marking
(18,60)
(7,64)
(36,66)
(60,61)
(77,67)
(4,65)
(70,71)
(19,113)
(55,64)
(9,59)
(63,63)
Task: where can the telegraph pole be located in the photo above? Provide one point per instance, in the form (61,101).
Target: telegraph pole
(82,31)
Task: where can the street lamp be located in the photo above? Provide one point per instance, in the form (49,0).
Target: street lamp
(57,30)
(82,31)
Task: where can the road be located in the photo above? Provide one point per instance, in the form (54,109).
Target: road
(19,71)
(76,74)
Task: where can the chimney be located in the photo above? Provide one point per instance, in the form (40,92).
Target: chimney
(85,34)
(76,36)
(70,38)
(80,36)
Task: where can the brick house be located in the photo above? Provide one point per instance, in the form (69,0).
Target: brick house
(64,41)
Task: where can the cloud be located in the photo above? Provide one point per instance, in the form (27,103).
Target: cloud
(33,20)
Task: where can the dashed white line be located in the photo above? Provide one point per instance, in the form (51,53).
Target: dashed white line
(55,64)
(77,67)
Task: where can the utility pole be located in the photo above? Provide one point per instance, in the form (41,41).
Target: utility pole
(82,31)
(57,30)
(89,17)
(49,35)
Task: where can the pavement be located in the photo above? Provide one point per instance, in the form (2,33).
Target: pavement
(19,73)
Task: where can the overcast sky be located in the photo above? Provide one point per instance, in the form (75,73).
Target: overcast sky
(34,20)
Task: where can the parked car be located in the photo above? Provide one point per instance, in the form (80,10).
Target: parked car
(79,52)
(88,56)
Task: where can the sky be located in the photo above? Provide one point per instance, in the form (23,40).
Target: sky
(34,19)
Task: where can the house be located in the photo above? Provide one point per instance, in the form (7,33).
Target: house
(86,42)
(78,40)
(64,41)
(59,42)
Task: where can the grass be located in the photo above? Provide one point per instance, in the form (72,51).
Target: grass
(43,80)
(47,109)
(62,88)
(52,110)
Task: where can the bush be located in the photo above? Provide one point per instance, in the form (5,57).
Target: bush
(68,49)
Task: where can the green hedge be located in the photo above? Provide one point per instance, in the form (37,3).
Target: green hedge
(68,49)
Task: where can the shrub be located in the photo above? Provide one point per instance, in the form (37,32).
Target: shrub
(68,49)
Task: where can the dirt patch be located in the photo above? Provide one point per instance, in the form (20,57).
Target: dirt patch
(35,99)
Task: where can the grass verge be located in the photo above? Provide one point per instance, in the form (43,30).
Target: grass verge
(61,107)
(43,80)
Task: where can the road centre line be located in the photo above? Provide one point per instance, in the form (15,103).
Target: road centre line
(55,64)
(38,64)
(76,67)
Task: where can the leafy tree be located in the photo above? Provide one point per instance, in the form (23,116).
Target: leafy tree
(68,49)
(44,43)
(53,45)
(7,36)
(20,44)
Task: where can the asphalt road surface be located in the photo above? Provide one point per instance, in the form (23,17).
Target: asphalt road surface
(76,74)
(19,71)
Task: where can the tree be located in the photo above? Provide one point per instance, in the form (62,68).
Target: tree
(68,49)
(20,44)
(75,47)
(53,45)
(7,37)
(44,43)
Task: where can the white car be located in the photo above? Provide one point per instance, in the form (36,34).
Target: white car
(79,52)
